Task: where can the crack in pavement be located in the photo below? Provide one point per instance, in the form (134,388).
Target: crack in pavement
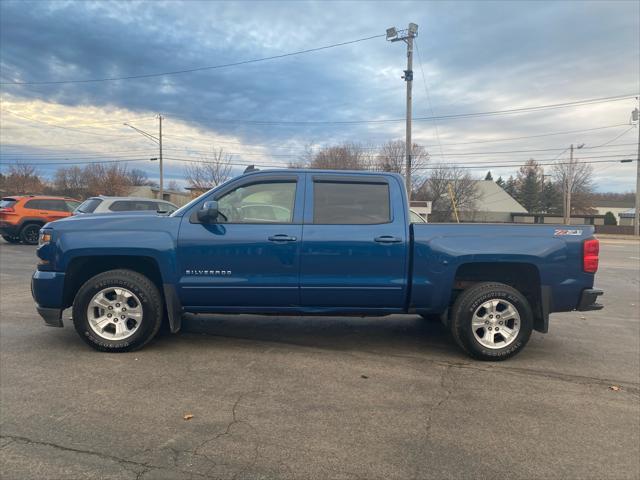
(448,370)
(125,463)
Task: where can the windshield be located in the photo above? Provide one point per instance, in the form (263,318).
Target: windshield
(89,206)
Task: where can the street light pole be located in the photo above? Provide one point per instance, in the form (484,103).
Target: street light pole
(407,36)
(160,157)
(636,218)
(158,140)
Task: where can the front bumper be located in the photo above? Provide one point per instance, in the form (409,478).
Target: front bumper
(588,300)
(51,316)
(47,289)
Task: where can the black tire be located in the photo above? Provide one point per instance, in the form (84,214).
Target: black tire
(11,239)
(29,233)
(464,308)
(138,284)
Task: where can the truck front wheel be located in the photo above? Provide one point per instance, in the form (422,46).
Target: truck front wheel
(491,321)
(118,311)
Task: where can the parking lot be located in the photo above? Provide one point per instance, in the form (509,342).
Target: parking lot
(302,397)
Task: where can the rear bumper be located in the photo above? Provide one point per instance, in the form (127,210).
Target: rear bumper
(47,289)
(9,229)
(588,300)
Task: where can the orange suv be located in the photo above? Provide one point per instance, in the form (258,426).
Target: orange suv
(21,217)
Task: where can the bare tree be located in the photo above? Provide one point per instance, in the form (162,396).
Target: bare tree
(140,178)
(70,182)
(210,172)
(436,189)
(392,158)
(348,156)
(107,180)
(24,179)
(173,185)
(580,177)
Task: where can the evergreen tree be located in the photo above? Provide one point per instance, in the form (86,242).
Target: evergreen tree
(528,185)
(610,219)
(500,182)
(510,186)
(551,199)
(488,176)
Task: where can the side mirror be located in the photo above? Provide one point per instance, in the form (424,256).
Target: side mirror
(209,212)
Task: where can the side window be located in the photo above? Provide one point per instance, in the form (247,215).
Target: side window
(34,205)
(350,203)
(266,202)
(121,206)
(58,205)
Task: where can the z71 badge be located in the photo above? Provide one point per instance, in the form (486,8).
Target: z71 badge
(215,273)
(560,232)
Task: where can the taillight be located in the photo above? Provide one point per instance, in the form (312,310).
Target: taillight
(590,252)
(7,210)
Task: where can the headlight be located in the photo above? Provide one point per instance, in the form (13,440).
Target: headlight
(44,238)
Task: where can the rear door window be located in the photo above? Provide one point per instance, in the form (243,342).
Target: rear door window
(58,205)
(350,203)
(132,205)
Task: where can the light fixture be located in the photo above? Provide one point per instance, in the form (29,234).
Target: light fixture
(391,33)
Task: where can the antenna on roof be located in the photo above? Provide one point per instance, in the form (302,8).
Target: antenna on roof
(250,168)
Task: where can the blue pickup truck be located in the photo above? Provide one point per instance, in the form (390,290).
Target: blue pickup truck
(311,242)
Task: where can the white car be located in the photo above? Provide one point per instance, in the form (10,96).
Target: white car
(104,204)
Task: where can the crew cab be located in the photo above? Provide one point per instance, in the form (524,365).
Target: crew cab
(311,242)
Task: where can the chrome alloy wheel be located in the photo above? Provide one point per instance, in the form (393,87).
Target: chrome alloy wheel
(114,313)
(495,323)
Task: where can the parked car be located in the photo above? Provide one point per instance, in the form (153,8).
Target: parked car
(22,216)
(324,243)
(103,204)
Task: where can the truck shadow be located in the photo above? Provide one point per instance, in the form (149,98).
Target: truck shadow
(406,333)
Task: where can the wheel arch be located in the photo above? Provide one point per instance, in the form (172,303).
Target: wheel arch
(523,276)
(82,268)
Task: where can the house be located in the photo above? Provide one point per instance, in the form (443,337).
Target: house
(173,196)
(614,206)
(493,205)
(627,217)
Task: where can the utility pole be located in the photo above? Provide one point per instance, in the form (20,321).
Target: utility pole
(569,177)
(160,157)
(407,37)
(568,186)
(635,116)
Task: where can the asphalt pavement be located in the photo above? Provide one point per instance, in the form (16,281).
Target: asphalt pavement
(325,398)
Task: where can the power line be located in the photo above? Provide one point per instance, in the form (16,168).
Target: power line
(589,101)
(279,166)
(196,69)
(426,89)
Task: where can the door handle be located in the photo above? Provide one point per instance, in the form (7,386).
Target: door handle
(387,239)
(281,237)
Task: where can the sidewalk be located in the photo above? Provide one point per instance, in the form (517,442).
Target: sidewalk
(608,236)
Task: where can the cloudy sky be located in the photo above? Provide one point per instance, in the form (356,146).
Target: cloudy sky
(472,57)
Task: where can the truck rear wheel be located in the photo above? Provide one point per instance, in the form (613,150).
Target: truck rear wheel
(491,321)
(118,311)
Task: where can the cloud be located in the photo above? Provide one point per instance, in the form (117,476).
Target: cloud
(475,56)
